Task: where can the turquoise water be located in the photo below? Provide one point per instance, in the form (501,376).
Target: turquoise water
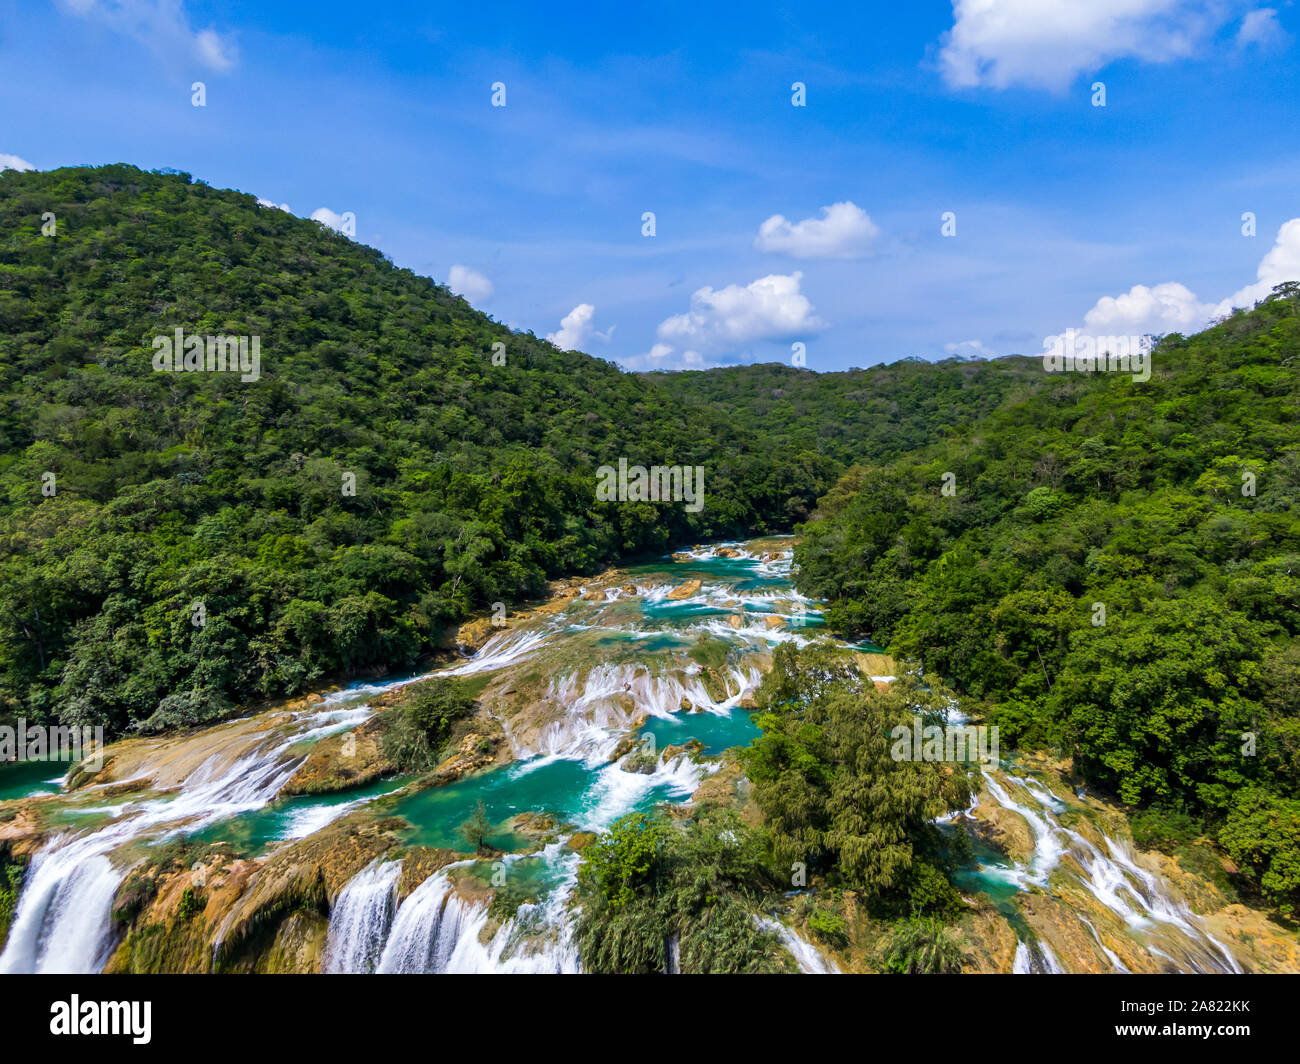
(19,779)
(717,733)
(290,818)
(567,790)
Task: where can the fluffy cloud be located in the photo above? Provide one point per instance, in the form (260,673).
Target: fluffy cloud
(844,231)
(14,162)
(1260,27)
(577,328)
(337,222)
(1173,307)
(1282,263)
(770,308)
(271,203)
(470,283)
(162,26)
(1161,308)
(1048,43)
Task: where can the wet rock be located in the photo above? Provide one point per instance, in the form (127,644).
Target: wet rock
(1007,830)
(686,590)
(338,762)
(476,751)
(691,747)
(471,635)
(419,863)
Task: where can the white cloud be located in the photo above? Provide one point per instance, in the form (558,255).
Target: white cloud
(271,203)
(969,349)
(470,283)
(14,162)
(162,26)
(1161,308)
(577,328)
(770,308)
(214,50)
(1260,27)
(1282,263)
(666,357)
(844,231)
(333,219)
(1173,307)
(1048,43)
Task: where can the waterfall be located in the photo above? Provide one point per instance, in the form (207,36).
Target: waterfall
(438,931)
(1035,959)
(807,956)
(63,920)
(1113,878)
(361,917)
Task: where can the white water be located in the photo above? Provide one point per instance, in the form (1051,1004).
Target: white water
(361,918)
(436,930)
(1112,877)
(62,923)
(805,954)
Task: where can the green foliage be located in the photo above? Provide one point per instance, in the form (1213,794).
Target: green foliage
(191,904)
(1166,830)
(649,882)
(832,795)
(924,946)
(475,482)
(1262,834)
(11,881)
(828,926)
(477,828)
(417,728)
(860,414)
(617,864)
(1104,581)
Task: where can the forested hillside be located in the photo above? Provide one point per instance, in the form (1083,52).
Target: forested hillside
(128,495)
(1115,573)
(859,414)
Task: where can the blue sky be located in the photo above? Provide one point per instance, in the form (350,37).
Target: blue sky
(774,224)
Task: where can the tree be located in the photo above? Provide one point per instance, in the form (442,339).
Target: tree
(477,828)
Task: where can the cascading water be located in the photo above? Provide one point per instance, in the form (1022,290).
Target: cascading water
(436,930)
(1111,876)
(600,663)
(62,923)
(361,918)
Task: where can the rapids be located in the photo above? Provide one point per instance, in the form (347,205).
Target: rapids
(663,653)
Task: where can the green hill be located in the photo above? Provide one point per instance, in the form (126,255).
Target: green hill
(127,495)
(860,414)
(1116,573)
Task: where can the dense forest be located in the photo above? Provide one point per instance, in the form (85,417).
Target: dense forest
(1113,572)
(859,414)
(389,472)
(1105,568)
